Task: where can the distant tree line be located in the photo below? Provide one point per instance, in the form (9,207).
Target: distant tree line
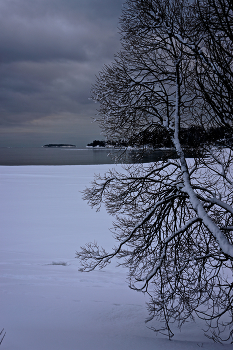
(193,137)
(157,136)
(97,143)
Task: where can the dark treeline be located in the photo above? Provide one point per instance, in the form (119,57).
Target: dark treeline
(195,136)
(156,136)
(97,143)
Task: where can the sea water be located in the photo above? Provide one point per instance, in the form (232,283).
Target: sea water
(75,156)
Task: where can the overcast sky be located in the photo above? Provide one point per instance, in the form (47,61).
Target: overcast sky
(50,52)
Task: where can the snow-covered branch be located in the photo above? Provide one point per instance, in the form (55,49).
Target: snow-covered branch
(173,219)
(156,268)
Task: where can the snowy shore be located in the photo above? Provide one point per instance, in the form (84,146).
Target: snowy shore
(45,302)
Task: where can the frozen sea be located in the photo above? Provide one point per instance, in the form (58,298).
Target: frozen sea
(45,302)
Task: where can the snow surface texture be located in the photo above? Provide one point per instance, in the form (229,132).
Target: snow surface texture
(45,302)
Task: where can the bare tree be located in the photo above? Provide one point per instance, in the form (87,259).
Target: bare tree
(173,219)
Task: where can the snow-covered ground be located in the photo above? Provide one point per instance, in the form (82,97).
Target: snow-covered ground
(45,302)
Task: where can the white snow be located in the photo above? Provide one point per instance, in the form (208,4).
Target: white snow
(45,302)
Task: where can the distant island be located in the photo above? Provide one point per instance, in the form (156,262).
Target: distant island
(58,145)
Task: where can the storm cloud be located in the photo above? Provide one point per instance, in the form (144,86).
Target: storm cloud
(50,52)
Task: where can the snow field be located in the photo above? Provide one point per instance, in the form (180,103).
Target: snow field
(45,302)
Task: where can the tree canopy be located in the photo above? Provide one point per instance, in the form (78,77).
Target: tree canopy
(173,219)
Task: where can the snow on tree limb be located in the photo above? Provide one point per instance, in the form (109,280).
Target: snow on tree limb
(173,219)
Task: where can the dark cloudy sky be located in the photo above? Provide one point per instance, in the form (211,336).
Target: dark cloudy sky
(50,52)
